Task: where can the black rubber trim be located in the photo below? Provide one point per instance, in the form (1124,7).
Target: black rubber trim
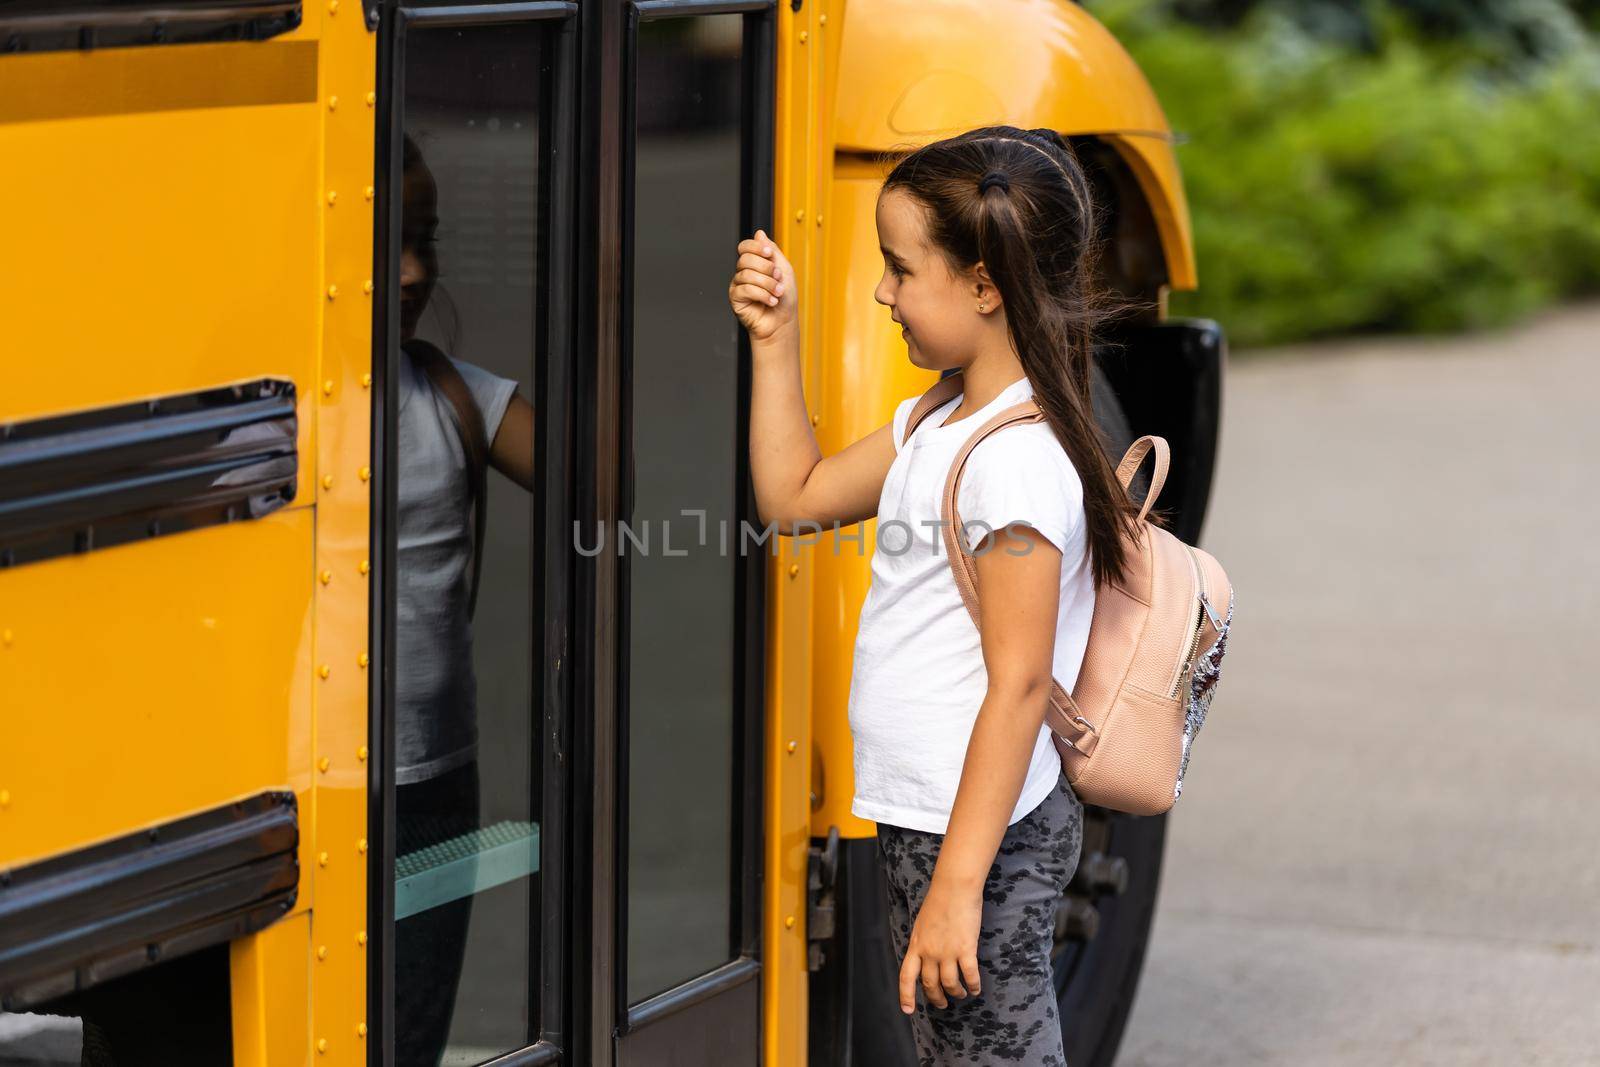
(81,25)
(660,9)
(73,921)
(1168,379)
(93,479)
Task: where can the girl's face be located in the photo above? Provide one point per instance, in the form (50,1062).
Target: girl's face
(936,307)
(419,264)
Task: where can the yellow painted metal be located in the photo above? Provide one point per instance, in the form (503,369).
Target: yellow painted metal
(913,71)
(175,228)
(148,681)
(789,577)
(126,277)
(347,82)
(271,992)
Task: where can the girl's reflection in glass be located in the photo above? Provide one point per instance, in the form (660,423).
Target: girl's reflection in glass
(436,759)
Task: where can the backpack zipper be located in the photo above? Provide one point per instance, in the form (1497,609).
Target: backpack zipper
(1202,609)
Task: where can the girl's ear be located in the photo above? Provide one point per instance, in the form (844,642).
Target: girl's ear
(986,295)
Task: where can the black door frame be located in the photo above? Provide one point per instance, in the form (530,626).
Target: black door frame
(553,499)
(615,1020)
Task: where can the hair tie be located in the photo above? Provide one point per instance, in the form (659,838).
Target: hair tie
(992,180)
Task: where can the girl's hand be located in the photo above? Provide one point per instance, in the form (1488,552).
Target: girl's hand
(943,953)
(762,291)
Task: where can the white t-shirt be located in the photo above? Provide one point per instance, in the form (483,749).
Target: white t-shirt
(919,677)
(436,718)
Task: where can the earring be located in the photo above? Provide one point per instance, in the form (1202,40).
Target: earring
(983,307)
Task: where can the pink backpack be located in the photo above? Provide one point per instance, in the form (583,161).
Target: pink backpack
(1155,645)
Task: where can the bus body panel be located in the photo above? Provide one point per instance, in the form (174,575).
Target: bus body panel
(907,78)
(190,217)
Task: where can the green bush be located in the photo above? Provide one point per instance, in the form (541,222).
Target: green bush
(1408,188)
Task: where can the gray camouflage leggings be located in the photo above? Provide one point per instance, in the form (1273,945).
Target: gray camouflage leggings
(1013,1021)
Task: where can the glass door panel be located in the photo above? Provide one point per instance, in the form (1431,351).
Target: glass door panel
(683,602)
(467,700)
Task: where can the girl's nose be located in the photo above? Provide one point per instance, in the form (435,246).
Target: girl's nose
(882,295)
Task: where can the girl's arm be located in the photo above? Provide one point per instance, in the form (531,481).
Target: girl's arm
(794,483)
(511,452)
(1018,649)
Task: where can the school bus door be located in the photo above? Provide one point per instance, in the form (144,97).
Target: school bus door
(595,166)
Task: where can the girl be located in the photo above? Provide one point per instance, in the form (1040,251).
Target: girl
(986,242)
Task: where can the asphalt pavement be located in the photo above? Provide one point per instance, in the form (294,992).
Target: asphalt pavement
(1387,851)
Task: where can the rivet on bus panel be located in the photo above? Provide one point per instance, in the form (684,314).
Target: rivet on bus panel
(322,1044)
(792,747)
(326,576)
(364,567)
(361,937)
(364,473)
(372,98)
(822,20)
(333,103)
(7,638)
(361,1029)
(819,220)
(361,753)
(327,481)
(323,764)
(788,922)
(322,860)
(327,387)
(804,36)
(322,952)
(361,846)
(800,216)
(5,798)
(333,7)
(816,419)
(333,292)
(362,661)
(366,287)
(325,670)
(794,570)
(366,380)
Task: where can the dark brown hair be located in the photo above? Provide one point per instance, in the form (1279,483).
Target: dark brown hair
(1018,201)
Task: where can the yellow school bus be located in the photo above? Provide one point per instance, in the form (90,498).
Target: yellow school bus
(213,618)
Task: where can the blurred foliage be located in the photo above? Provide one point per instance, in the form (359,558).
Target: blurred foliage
(1417,166)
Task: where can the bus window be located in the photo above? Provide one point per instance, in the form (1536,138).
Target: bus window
(468,751)
(687,613)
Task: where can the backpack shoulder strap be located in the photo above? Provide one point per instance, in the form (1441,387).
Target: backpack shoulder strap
(468,420)
(940,393)
(962,566)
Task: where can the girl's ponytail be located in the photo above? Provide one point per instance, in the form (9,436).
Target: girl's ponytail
(1018,202)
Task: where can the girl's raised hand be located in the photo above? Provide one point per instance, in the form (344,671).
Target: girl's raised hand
(762,291)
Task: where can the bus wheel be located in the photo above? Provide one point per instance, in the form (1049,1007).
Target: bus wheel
(1102,930)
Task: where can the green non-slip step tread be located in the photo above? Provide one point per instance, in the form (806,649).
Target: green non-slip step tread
(465,846)
(464,866)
